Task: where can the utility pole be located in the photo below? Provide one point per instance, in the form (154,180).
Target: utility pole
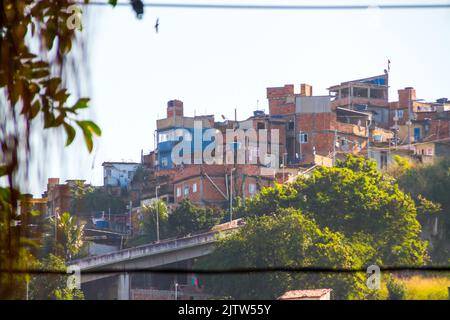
(176,290)
(157,213)
(368,140)
(131,207)
(334,147)
(231,194)
(56,229)
(28,290)
(409,122)
(396,128)
(300,145)
(284,164)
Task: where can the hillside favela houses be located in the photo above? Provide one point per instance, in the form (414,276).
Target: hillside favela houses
(299,132)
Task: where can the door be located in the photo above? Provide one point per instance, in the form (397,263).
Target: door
(416,134)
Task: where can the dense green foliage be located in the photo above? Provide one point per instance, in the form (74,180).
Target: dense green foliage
(63,241)
(295,241)
(188,218)
(14,251)
(35,46)
(65,238)
(148,224)
(433,183)
(185,219)
(352,198)
(396,289)
(347,216)
(52,286)
(88,199)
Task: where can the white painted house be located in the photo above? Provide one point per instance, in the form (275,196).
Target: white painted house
(118,174)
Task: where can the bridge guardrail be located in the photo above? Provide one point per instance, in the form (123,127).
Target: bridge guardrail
(149,249)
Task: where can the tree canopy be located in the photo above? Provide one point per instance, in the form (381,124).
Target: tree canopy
(353,198)
(35,42)
(348,216)
(87,200)
(287,239)
(188,218)
(432,183)
(148,225)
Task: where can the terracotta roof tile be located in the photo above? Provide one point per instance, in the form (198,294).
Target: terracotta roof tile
(298,294)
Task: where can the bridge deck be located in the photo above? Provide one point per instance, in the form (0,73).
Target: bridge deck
(152,249)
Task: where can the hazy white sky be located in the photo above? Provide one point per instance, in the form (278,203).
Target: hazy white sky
(219,60)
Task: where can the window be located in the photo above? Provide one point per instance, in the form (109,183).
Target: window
(260,126)
(377,93)
(108,172)
(130,175)
(164,162)
(194,187)
(163,137)
(186,190)
(360,92)
(252,188)
(360,107)
(303,137)
(291,125)
(178,192)
(345,92)
(417,134)
(399,114)
(174,135)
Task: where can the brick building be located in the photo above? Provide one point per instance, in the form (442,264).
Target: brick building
(211,184)
(416,120)
(316,125)
(58,196)
(356,117)
(369,95)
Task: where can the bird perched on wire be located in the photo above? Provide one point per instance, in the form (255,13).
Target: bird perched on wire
(138,7)
(157,25)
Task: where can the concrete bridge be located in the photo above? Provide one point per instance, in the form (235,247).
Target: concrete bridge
(149,256)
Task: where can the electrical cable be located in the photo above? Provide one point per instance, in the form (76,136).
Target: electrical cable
(277,7)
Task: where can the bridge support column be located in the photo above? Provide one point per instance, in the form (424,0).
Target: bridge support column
(123,286)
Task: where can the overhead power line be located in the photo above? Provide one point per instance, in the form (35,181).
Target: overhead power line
(278,7)
(231,271)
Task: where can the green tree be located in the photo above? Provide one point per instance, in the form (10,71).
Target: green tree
(53,285)
(188,218)
(400,166)
(35,42)
(268,200)
(68,240)
(14,250)
(287,239)
(353,198)
(432,183)
(396,289)
(148,224)
(90,199)
(63,242)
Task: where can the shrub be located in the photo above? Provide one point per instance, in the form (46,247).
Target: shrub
(396,289)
